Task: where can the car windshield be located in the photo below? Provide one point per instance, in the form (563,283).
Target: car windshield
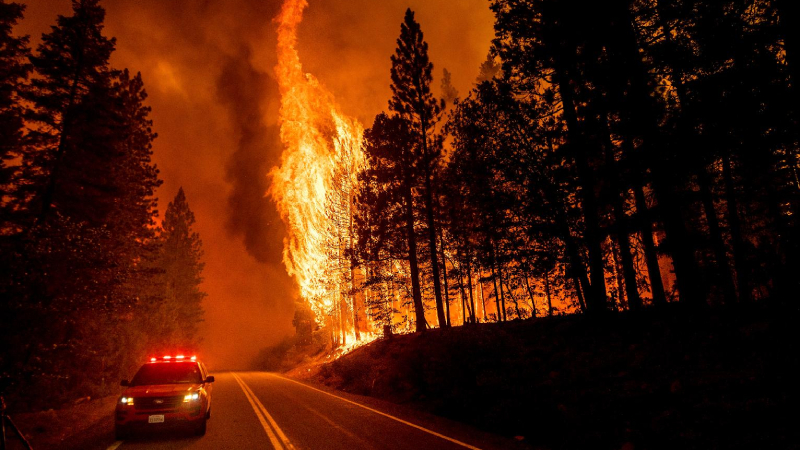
(167,373)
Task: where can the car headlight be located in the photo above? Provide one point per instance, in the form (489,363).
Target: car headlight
(126,401)
(191,397)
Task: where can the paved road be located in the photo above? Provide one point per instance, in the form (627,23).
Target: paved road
(257,410)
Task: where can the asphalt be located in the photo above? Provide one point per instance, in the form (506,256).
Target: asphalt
(258,410)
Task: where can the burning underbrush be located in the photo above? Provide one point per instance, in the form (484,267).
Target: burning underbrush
(298,354)
(658,379)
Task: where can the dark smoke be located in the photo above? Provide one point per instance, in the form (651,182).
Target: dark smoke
(252,217)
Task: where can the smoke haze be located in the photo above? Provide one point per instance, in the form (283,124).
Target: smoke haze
(208,67)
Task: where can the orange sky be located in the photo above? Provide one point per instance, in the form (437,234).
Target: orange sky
(208,67)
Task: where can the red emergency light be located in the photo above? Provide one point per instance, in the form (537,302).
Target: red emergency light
(168,358)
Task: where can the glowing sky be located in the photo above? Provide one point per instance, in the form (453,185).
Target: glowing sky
(208,66)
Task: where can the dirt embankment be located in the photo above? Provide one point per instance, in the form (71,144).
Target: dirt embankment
(720,378)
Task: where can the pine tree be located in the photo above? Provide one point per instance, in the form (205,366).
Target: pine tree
(488,70)
(386,215)
(14,72)
(181,266)
(449,92)
(413,101)
(73,78)
(87,190)
(89,166)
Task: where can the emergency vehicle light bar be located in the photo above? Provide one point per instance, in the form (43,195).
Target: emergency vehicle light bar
(168,358)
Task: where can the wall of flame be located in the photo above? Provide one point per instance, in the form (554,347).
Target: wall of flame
(314,183)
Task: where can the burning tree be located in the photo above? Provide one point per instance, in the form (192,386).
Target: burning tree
(314,186)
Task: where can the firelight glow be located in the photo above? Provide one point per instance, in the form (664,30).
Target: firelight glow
(314,185)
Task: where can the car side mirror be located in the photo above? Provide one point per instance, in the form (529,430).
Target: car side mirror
(210,379)
(124,383)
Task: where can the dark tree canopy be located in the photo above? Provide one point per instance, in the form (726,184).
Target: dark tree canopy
(14,72)
(82,263)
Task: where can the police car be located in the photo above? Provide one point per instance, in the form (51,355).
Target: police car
(168,391)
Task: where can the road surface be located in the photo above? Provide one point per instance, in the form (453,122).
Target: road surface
(258,410)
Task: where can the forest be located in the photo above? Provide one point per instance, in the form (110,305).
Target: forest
(629,166)
(611,156)
(615,156)
(92,279)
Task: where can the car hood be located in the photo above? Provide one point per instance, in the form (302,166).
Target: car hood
(161,390)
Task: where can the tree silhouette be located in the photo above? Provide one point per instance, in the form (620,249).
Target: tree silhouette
(14,73)
(81,235)
(413,101)
(387,218)
(180,262)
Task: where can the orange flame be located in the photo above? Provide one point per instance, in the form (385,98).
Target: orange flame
(314,185)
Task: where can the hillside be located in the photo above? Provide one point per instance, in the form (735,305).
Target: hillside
(673,378)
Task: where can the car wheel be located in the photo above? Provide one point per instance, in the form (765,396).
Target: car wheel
(201,428)
(121,432)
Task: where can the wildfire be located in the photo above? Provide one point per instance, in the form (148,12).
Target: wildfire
(314,186)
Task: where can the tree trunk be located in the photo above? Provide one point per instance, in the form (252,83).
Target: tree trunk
(578,270)
(446,287)
(575,261)
(715,233)
(483,298)
(739,249)
(547,293)
(499,274)
(411,238)
(429,215)
(650,252)
(621,284)
(579,293)
(596,290)
(532,297)
(471,297)
(496,292)
(353,273)
(463,298)
(618,192)
(343,316)
(643,116)
(628,270)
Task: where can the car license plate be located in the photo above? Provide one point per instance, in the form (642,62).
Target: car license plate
(157,418)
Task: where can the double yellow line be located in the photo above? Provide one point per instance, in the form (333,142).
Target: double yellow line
(276,436)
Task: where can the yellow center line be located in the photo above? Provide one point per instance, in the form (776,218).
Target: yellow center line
(465,445)
(115,445)
(262,414)
(272,438)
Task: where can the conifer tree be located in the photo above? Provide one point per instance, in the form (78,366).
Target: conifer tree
(449,92)
(14,72)
(413,101)
(386,217)
(181,266)
(73,77)
(87,189)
